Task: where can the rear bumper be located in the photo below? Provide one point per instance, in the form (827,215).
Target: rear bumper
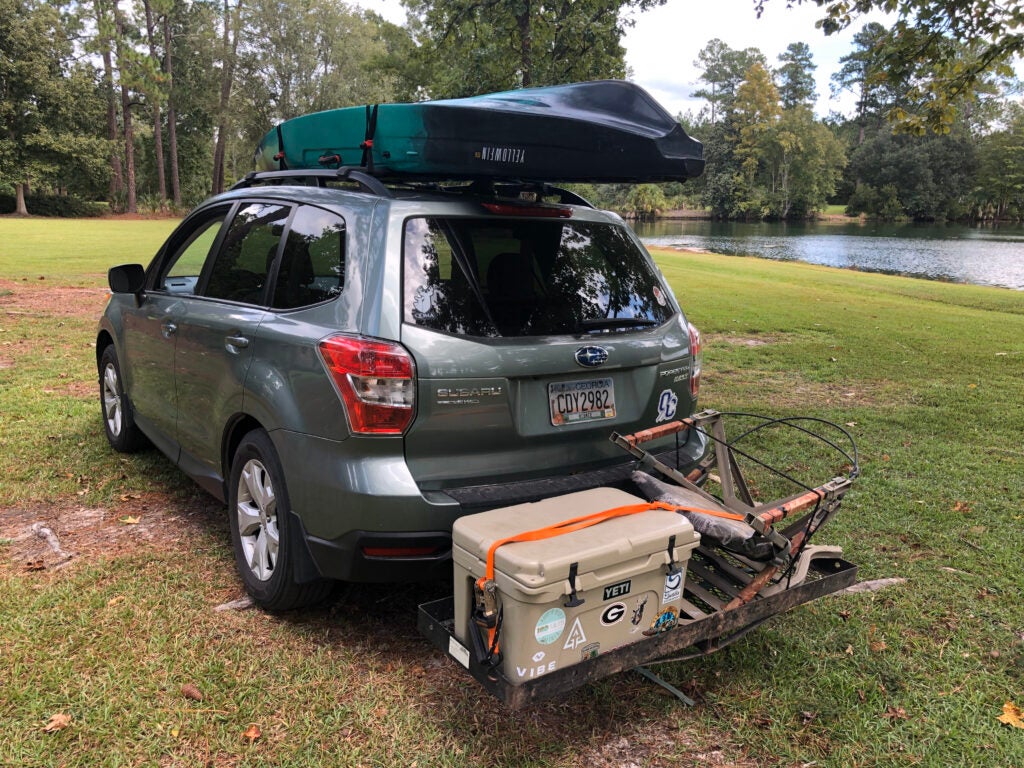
(347,530)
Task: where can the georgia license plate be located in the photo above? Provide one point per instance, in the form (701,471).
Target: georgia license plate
(573,402)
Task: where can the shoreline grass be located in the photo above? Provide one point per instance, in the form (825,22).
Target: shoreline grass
(927,376)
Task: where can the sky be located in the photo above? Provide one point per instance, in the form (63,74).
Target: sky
(663,44)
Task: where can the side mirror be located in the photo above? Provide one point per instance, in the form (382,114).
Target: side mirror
(127,278)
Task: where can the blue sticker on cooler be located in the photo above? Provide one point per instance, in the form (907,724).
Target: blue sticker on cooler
(549,626)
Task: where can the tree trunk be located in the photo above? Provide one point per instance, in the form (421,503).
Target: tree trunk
(172,115)
(230,49)
(525,45)
(116,169)
(158,137)
(131,204)
(19,200)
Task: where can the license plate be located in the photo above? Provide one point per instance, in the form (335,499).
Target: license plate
(573,402)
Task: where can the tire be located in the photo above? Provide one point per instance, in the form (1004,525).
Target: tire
(260,532)
(118,415)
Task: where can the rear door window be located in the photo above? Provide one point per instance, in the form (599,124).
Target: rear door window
(312,265)
(242,266)
(515,277)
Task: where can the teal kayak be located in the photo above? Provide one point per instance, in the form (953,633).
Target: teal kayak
(603,131)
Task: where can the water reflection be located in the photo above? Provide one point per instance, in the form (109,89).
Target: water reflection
(987,255)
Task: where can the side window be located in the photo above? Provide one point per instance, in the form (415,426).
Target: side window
(181,275)
(240,269)
(313,264)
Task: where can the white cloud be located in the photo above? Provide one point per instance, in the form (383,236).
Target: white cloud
(663,44)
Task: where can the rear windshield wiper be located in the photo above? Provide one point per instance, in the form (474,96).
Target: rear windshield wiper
(607,323)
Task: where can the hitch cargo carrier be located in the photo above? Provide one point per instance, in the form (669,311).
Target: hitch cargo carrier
(552,595)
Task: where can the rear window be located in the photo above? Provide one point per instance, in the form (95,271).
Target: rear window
(502,277)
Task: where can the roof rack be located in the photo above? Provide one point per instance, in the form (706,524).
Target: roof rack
(345,173)
(370,182)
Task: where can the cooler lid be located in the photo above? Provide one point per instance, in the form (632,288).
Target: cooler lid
(602,546)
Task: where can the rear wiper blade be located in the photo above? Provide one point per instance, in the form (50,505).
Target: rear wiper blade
(606,323)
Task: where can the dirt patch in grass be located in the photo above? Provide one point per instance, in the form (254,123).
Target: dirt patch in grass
(792,390)
(53,536)
(659,744)
(743,341)
(74,388)
(40,299)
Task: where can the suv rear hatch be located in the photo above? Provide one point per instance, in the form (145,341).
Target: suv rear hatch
(535,338)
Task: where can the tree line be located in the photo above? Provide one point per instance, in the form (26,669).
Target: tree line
(155,104)
(769,157)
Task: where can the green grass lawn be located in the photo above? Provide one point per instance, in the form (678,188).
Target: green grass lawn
(75,250)
(835,210)
(926,376)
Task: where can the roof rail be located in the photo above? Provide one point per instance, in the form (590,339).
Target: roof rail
(370,183)
(514,188)
(345,173)
(568,197)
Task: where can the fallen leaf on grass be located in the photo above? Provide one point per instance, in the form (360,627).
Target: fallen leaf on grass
(190,691)
(175,732)
(962,506)
(895,713)
(58,722)
(252,733)
(877,646)
(115,600)
(1012,715)
(35,565)
(130,520)
(844,615)
(808,717)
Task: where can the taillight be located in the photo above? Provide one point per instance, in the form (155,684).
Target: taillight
(376,381)
(696,359)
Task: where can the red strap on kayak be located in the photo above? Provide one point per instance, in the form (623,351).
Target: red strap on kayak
(371,131)
(281,164)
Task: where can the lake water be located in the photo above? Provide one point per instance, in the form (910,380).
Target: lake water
(986,255)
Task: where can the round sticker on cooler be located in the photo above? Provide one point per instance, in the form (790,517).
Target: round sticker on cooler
(549,626)
(659,295)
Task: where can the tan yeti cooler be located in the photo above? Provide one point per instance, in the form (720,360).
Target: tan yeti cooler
(618,568)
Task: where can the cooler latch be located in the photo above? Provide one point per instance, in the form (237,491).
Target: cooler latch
(573,599)
(672,567)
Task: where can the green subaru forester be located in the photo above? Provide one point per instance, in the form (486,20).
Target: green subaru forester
(351,367)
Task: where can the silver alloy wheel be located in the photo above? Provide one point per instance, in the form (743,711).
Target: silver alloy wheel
(112,408)
(257,519)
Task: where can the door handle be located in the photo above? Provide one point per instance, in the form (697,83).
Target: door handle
(236,342)
(168,329)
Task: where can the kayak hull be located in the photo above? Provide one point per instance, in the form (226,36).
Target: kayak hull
(605,131)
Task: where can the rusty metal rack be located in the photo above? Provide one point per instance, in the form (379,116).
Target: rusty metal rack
(710,579)
(725,595)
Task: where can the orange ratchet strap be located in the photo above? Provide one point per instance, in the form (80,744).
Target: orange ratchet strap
(586,521)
